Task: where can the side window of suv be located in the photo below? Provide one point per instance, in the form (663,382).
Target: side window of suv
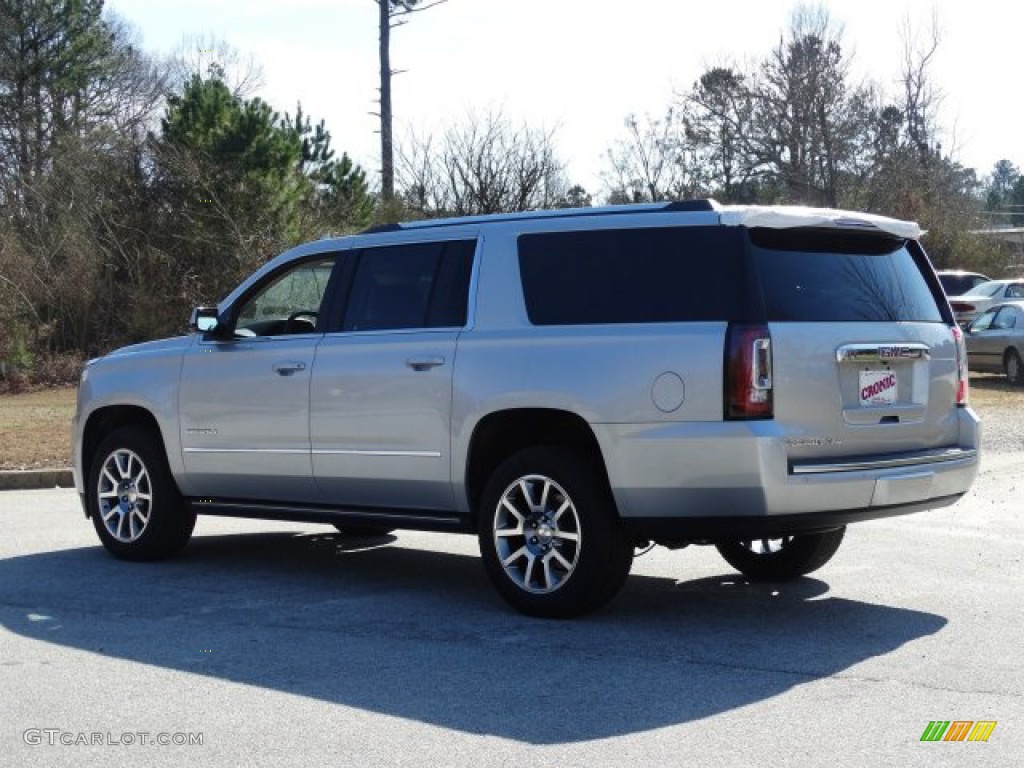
(648,275)
(290,303)
(422,285)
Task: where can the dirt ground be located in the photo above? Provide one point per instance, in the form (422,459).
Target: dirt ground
(35,427)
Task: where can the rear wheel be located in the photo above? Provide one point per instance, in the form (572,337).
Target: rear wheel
(549,535)
(782,558)
(133,500)
(1014,369)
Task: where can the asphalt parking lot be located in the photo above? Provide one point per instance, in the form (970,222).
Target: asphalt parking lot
(285,644)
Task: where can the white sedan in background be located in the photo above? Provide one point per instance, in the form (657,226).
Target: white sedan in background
(969,305)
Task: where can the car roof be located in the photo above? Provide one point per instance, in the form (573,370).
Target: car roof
(772,216)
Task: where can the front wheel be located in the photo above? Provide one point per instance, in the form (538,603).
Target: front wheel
(783,558)
(133,500)
(549,535)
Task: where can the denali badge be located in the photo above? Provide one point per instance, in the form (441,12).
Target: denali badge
(812,442)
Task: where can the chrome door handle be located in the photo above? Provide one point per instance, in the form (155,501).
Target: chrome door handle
(424,363)
(287,369)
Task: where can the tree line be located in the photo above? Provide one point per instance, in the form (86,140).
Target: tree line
(132,189)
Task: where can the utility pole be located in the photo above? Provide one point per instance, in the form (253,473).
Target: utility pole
(391,15)
(387,149)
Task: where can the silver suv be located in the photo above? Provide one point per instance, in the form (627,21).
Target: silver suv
(567,385)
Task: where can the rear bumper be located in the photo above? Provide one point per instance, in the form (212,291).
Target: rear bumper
(743,471)
(731,528)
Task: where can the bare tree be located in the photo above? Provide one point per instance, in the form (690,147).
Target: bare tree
(206,55)
(806,113)
(393,14)
(655,161)
(920,98)
(720,109)
(913,177)
(483,165)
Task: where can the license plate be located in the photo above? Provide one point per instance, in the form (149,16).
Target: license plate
(877,387)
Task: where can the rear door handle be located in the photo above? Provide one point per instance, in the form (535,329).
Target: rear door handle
(424,363)
(287,369)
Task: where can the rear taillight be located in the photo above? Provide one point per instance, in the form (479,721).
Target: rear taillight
(748,372)
(962,386)
(961,306)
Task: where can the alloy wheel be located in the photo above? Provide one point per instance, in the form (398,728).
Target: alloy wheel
(537,534)
(125,495)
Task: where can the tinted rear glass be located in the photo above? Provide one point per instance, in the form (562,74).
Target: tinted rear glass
(824,276)
(655,275)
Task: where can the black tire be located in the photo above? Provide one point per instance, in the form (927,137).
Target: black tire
(141,516)
(362,529)
(589,540)
(781,559)
(1013,368)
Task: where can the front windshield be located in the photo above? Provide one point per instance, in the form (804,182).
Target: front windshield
(985,289)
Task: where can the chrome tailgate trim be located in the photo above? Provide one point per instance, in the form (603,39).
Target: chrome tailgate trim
(943,456)
(882,353)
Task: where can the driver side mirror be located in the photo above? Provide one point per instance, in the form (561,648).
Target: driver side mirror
(203,319)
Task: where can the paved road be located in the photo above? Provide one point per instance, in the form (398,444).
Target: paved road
(285,645)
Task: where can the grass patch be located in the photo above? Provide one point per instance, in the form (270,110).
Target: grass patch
(35,429)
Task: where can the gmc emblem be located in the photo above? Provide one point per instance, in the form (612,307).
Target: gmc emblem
(888,353)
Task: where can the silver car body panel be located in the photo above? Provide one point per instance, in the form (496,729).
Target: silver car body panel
(244,414)
(141,376)
(380,414)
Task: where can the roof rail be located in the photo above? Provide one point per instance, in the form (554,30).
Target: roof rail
(675,206)
(376,228)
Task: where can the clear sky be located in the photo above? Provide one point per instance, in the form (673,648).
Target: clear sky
(581,67)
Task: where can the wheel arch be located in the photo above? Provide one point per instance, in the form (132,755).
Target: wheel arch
(500,434)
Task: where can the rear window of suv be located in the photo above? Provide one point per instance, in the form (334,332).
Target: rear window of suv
(825,276)
(640,275)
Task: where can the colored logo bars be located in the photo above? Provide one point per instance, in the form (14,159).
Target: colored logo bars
(958,730)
